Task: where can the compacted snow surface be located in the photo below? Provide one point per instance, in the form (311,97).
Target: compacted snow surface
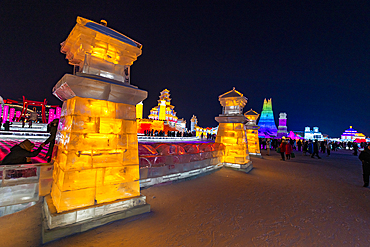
(301,202)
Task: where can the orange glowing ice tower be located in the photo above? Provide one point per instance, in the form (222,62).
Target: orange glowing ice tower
(231,130)
(252,132)
(97,147)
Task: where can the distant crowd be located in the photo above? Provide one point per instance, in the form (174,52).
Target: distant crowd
(286,146)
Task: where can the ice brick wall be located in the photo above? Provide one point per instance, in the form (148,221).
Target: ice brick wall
(253,141)
(97,157)
(233,136)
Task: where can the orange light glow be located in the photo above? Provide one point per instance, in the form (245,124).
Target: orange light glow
(97,159)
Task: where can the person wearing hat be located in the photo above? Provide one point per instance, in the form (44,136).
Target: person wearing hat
(19,153)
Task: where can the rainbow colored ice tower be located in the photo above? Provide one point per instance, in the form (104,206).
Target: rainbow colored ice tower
(231,130)
(97,148)
(267,123)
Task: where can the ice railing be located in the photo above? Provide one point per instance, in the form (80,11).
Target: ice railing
(161,154)
(166,159)
(22,185)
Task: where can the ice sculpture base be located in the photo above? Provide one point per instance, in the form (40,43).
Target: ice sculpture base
(247,167)
(58,225)
(256,154)
(180,176)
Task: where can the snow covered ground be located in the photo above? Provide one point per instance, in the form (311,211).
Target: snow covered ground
(301,202)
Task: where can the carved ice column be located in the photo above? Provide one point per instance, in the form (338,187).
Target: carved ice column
(231,130)
(252,132)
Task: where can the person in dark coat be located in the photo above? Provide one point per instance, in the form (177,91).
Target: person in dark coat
(7,125)
(355,148)
(299,145)
(19,153)
(52,128)
(315,149)
(305,148)
(365,159)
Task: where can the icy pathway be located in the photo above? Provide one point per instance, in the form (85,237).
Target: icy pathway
(301,202)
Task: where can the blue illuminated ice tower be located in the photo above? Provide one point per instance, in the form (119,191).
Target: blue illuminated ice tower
(267,123)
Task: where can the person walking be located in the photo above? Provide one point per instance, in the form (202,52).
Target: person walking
(315,149)
(268,145)
(355,148)
(365,159)
(305,148)
(327,144)
(299,145)
(288,150)
(282,150)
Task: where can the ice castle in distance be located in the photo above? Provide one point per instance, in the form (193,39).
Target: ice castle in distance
(267,123)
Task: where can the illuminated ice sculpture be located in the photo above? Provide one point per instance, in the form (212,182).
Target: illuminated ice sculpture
(267,123)
(282,128)
(252,132)
(96,166)
(231,130)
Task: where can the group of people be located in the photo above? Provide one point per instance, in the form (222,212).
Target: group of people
(22,152)
(6,125)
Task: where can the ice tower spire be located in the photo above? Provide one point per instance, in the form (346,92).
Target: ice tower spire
(267,122)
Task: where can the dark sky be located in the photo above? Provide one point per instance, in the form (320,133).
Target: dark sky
(311,57)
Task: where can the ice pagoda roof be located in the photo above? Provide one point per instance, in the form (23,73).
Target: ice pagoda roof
(349,132)
(251,112)
(232,93)
(111,33)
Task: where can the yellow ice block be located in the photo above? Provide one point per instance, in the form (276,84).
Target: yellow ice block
(110,126)
(116,175)
(97,153)
(74,160)
(108,193)
(111,158)
(130,127)
(75,180)
(131,157)
(68,200)
(85,124)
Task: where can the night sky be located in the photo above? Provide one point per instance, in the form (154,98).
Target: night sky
(311,57)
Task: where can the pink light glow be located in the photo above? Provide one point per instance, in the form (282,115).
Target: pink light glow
(11,114)
(51,115)
(58,112)
(17,114)
(5,113)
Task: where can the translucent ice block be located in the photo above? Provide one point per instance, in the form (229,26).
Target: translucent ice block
(109,193)
(115,175)
(110,126)
(67,200)
(75,180)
